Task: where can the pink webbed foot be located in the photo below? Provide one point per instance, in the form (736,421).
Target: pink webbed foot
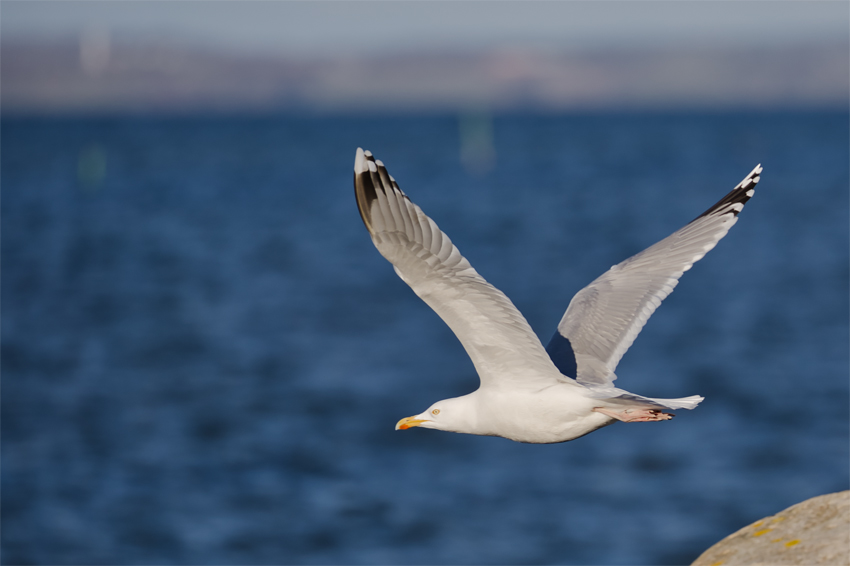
(635,415)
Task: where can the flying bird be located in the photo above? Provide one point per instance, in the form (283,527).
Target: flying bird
(528,393)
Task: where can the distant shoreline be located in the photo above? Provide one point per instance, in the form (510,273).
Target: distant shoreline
(96,76)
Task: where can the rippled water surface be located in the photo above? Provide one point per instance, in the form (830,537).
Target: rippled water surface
(203,355)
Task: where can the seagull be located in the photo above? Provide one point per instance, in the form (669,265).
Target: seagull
(528,393)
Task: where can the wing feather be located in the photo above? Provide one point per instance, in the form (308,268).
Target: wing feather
(603,319)
(493,332)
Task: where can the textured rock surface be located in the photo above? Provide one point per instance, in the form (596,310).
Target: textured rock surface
(814,532)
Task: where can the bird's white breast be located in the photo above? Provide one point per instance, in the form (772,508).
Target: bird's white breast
(556,414)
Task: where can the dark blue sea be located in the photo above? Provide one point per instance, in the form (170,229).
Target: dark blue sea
(204,356)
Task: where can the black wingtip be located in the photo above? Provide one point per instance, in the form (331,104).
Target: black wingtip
(370,176)
(737,196)
(364,187)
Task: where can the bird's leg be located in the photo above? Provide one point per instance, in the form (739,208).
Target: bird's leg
(635,415)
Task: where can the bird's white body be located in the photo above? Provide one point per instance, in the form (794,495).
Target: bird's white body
(528,393)
(557,413)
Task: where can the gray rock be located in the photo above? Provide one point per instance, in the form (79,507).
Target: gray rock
(814,532)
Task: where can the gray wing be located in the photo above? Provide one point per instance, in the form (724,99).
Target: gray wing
(493,332)
(605,317)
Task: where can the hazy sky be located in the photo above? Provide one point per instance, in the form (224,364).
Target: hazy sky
(315,27)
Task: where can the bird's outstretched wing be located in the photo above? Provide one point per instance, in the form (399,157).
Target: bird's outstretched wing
(604,318)
(494,333)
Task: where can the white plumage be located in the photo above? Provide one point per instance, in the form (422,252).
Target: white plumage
(524,396)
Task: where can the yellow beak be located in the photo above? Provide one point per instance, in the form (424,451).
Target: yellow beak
(408,422)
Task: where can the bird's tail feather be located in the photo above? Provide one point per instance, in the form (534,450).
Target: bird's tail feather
(673,404)
(619,397)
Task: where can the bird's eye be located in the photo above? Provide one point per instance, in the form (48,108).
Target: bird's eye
(435,412)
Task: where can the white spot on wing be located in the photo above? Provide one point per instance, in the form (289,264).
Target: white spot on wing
(360,162)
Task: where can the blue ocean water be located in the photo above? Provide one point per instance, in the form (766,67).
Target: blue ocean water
(203,355)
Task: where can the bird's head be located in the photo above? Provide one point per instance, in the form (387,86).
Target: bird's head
(452,415)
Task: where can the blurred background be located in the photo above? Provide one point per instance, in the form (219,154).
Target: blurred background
(203,355)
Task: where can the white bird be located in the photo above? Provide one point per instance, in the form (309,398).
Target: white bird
(528,393)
